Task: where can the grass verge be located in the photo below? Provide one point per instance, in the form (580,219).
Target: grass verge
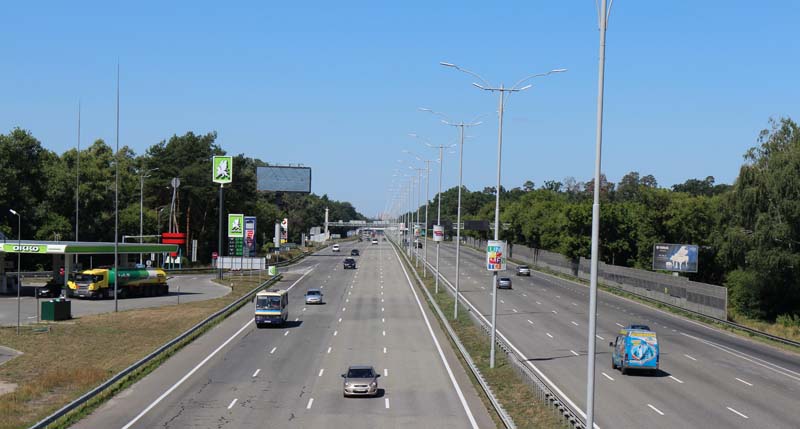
(74,356)
(515,395)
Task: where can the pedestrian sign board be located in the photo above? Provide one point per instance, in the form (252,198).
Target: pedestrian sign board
(235,225)
(223,169)
(496,255)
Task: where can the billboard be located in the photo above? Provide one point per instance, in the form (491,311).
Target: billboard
(438,233)
(222,169)
(284,179)
(675,257)
(235,225)
(250,236)
(496,255)
(476,225)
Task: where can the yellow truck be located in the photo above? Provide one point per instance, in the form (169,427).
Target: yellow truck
(99,283)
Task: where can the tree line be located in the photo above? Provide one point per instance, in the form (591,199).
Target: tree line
(40,184)
(748,233)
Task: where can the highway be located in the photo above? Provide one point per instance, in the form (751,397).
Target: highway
(708,378)
(238,376)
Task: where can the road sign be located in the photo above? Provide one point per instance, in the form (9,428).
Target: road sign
(496,255)
(222,169)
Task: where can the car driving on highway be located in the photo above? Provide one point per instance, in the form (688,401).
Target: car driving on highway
(354,252)
(350,263)
(335,248)
(523,270)
(314,296)
(635,347)
(374,241)
(504,283)
(361,380)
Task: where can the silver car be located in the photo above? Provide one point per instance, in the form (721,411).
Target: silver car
(504,283)
(523,270)
(314,296)
(360,380)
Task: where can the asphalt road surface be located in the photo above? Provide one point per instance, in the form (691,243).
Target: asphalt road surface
(238,376)
(187,288)
(708,378)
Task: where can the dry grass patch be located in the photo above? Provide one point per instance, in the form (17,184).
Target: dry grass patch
(75,356)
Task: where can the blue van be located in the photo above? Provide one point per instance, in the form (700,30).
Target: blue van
(636,347)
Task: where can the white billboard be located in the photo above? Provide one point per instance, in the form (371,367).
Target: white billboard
(496,255)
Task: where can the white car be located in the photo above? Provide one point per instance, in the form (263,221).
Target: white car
(374,241)
(335,248)
(314,296)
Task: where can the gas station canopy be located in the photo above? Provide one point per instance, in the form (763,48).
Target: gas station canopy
(82,247)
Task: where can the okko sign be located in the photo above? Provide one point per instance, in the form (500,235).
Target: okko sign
(496,255)
(235,225)
(222,169)
(438,233)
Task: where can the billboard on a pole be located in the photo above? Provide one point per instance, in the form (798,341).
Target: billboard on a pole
(235,225)
(438,233)
(250,235)
(675,257)
(496,255)
(223,169)
(275,178)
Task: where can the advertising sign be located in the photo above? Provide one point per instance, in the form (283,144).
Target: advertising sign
(222,169)
(250,236)
(25,248)
(675,257)
(438,233)
(275,178)
(496,255)
(416,230)
(235,225)
(284,231)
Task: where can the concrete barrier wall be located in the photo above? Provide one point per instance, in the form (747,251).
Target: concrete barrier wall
(681,292)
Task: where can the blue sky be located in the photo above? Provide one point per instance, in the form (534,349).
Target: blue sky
(336,85)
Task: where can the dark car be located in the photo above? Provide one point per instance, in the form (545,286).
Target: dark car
(354,252)
(350,263)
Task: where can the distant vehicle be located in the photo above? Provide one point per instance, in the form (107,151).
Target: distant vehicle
(271,307)
(335,248)
(418,243)
(360,380)
(314,296)
(504,283)
(350,263)
(635,349)
(354,252)
(374,241)
(523,270)
(99,282)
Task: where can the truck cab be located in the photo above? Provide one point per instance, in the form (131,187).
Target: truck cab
(635,348)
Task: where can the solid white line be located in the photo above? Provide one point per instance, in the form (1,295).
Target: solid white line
(188,374)
(655,409)
(574,322)
(607,376)
(256,373)
(679,381)
(740,414)
(453,380)
(770,366)
(310,401)
(329,349)
(548,334)
(233,403)
(321,371)
(273,350)
(749,384)
(574,352)
(690,357)
(386,401)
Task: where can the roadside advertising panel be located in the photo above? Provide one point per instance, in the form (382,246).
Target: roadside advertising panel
(438,233)
(675,257)
(496,255)
(250,236)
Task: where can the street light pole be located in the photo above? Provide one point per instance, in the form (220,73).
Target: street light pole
(502,90)
(19,259)
(116,208)
(604,12)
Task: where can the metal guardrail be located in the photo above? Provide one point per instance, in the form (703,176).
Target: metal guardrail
(543,392)
(139,364)
(754,332)
(508,422)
